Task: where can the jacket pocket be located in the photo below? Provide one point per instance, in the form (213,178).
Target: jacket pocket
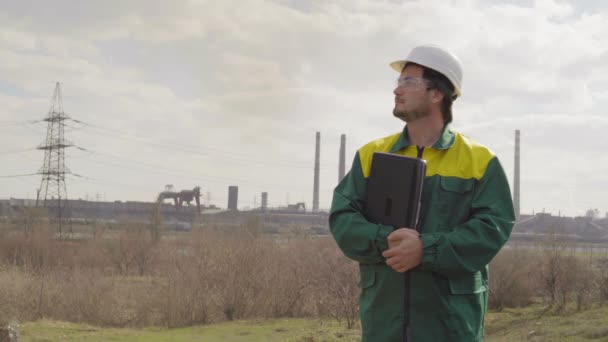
(468,304)
(454,202)
(468,284)
(457,185)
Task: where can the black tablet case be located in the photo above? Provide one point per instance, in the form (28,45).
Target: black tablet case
(394,190)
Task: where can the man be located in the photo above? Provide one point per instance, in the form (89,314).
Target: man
(432,285)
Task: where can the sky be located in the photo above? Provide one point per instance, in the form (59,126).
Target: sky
(218,93)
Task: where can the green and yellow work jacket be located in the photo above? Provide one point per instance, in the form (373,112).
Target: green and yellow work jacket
(466,217)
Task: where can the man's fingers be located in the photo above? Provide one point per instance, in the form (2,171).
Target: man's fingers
(402,233)
(393,264)
(394,236)
(396,262)
(389,253)
(400,267)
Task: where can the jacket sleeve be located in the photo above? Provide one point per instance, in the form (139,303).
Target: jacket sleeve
(470,246)
(358,238)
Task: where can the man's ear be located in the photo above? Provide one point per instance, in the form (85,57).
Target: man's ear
(436,96)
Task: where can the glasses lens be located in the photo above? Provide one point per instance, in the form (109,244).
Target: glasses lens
(410,82)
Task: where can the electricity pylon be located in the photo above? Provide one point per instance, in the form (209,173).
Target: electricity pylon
(53,192)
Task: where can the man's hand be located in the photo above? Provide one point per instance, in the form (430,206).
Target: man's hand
(405,250)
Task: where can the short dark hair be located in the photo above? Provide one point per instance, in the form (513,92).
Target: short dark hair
(438,81)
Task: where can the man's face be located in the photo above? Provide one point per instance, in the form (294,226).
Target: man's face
(412,97)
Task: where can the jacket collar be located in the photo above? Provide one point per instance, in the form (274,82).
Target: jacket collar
(444,142)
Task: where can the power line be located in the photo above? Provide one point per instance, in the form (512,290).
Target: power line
(157,169)
(25,124)
(184,174)
(112,183)
(24,180)
(188,149)
(10,123)
(21,175)
(17,151)
(193,149)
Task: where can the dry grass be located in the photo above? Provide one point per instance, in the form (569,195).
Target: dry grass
(512,279)
(124,277)
(128,278)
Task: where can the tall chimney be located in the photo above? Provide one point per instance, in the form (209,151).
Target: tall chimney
(342,157)
(516,204)
(264,200)
(315,196)
(233,197)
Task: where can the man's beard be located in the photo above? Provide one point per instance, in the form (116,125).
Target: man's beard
(411,115)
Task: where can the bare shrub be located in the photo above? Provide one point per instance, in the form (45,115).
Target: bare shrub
(30,250)
(563,278)
(92,300)
(32,218)
(336,286)
(13,297)
(287,278)
(184,293)
(550,273)
(584,287)
(568,282)
(237,261)
(133,251)
(601,280)
(510,279)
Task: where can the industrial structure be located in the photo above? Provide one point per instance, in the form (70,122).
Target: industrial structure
(53,192)
(182,196)
(264,201)
(233,197)
(516,203)
(342,157)
(315,192)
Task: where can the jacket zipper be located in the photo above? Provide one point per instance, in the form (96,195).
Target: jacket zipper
(420,150)
(407,285)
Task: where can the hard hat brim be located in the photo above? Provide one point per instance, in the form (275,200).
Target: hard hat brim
(398,65)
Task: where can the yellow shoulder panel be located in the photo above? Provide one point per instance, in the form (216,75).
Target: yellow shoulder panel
(367,151)
(465,159)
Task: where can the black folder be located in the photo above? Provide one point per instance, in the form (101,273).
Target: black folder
(394,190)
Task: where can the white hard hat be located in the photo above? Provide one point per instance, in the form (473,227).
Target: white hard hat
(438,59)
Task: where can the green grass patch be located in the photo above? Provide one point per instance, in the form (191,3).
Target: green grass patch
(290,330)
(533,323)
(537,323)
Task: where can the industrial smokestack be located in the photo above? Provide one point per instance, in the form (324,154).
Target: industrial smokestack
(516,204)
(342,157)
(264,200)
(233,197)
(315,196)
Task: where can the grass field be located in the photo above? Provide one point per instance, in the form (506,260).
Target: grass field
(528,324)
(294,330)
(537,324)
